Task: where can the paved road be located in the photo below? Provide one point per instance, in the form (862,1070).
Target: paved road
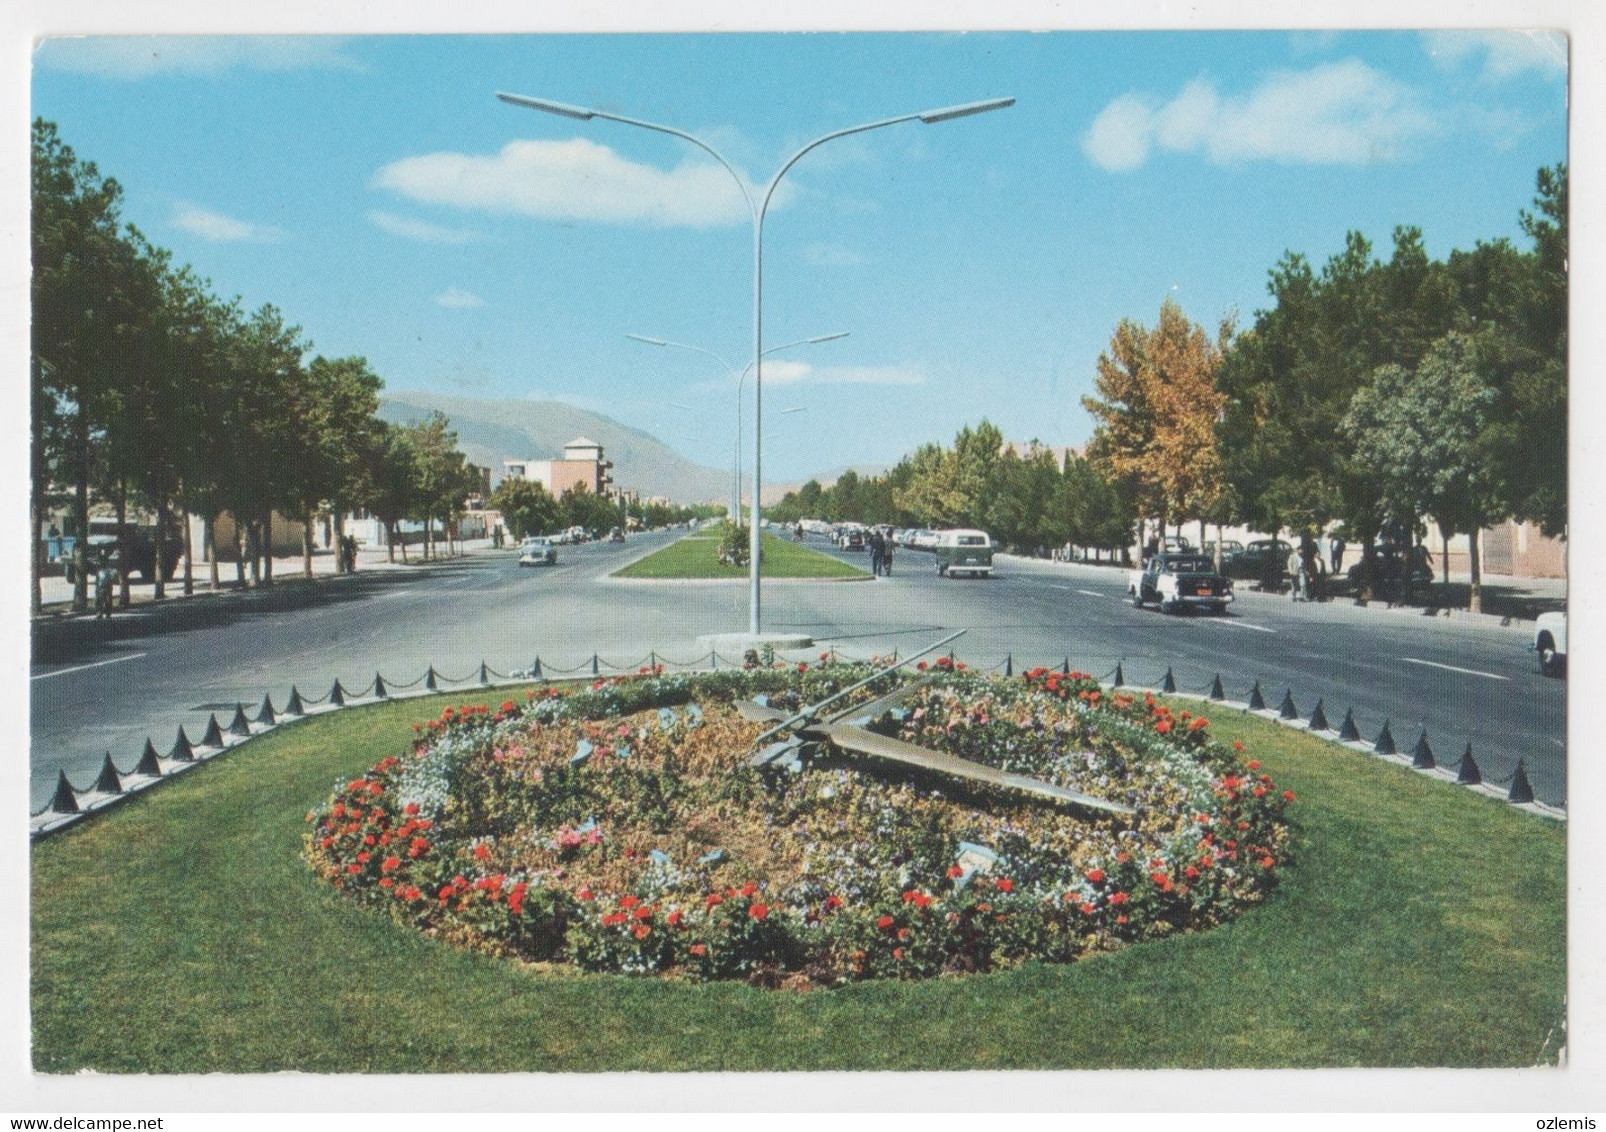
(1463,681)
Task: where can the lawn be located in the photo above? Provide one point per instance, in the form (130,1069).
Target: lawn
(1417,925)
(697,556)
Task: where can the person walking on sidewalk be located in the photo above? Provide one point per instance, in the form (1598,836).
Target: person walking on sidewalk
(877,551)
(887,543)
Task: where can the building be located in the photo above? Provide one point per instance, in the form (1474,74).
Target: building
(582,465)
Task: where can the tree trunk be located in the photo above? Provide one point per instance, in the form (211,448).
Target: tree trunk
(1444,564)
(239,552)
(189,550)
(125,563)
(80,554)
(306,546)
(390,542)
(1475,552)
(159,554)
(267,546)
(209,539)
(337,522)
(253,548)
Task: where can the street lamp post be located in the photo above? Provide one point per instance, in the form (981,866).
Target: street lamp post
(759,210)
(736,460)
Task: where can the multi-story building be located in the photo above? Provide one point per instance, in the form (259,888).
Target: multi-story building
(582,465)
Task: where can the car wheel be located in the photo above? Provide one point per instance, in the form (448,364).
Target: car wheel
(941,570)
(1550,662)
(1137,600)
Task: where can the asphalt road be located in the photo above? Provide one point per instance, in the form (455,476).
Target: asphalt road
(106,686)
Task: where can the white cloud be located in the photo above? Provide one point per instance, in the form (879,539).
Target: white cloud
(422,230)
(1121,135)
(1505,53)
(458,299)
(219,228)
(141,56)
(570,180)
(1333,114)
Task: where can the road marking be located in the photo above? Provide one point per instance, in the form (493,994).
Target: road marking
(82,667)
(1243,625)
(1094,593)
(1453,668)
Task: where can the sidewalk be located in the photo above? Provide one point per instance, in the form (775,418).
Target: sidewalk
(57,593)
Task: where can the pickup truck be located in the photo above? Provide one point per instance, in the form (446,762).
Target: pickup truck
(1180,581)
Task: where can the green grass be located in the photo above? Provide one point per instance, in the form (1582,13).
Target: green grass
(698,557)
(1416,925)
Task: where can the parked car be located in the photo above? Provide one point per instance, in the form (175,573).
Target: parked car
(536,551)
(1231,548)
(1253,560)
(852,539)
(1180,581)
(616,536)
(1389,556)
(1550,642)
(964,552)
(924,540)
(141,549)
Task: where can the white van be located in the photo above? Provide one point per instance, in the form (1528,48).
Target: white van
(964,552)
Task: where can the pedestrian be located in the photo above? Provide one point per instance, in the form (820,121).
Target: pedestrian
(105,579)
(1296,571)
(876,550)
(887,544)
(1336,554)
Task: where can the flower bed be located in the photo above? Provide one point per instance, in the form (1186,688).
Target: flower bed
(619,827)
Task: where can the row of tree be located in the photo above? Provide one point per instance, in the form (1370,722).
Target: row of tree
(151,393)
(1370,395)
(1031,502)
(527,508)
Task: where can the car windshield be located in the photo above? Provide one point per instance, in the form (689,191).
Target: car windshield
(1188,565)
(972,540)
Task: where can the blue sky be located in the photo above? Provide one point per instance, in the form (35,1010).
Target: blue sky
(376,191)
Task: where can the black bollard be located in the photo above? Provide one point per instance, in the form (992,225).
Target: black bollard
(240,727)
(595,670)
(1385,741)
(1065,669)
(1009,664)
(1288,710)
(1521,789)
(147,764)
(430,681)
(1469,774)
(295,706)
(485,675)
(1318,718)
(1169,684)
(1422,755)
(214,733)
(1120,680)
(1257,702)
(1217,692)
(1349,732)
(380,691)
(266,716)
(337,694)
(108,782)
(536,671)
(65,800)
(182,750)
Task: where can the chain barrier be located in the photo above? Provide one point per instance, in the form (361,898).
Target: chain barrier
(1467,770)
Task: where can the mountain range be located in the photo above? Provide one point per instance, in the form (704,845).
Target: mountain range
(489,432)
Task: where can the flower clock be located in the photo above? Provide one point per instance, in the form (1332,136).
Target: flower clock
(622,827)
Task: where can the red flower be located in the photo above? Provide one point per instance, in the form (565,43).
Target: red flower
(364,856)
(675,917)
(1288,795)
(1190,872)
(955,872)
(1096,876)
(481,852)
(641,931)
(1120,919)
(1266,862)
(585,893)
(410,809)
(759,911)
(749,888)
(1254,764)
(389,864)
(628,901)
(884,923)
(715,899)
(802,666)
(1163,727)
(507,705)
(833,902)
(1003,884)
(897,953)
(1088,909)
(1119,898)
(698,949)
(387,882)
(644,912)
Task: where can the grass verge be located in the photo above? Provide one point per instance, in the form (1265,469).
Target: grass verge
(695,557)
(1417,925)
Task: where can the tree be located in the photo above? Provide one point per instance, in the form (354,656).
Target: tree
(526,507)
(1425,434)
(392,479)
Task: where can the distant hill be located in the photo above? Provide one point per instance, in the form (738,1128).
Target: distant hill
(489,432)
